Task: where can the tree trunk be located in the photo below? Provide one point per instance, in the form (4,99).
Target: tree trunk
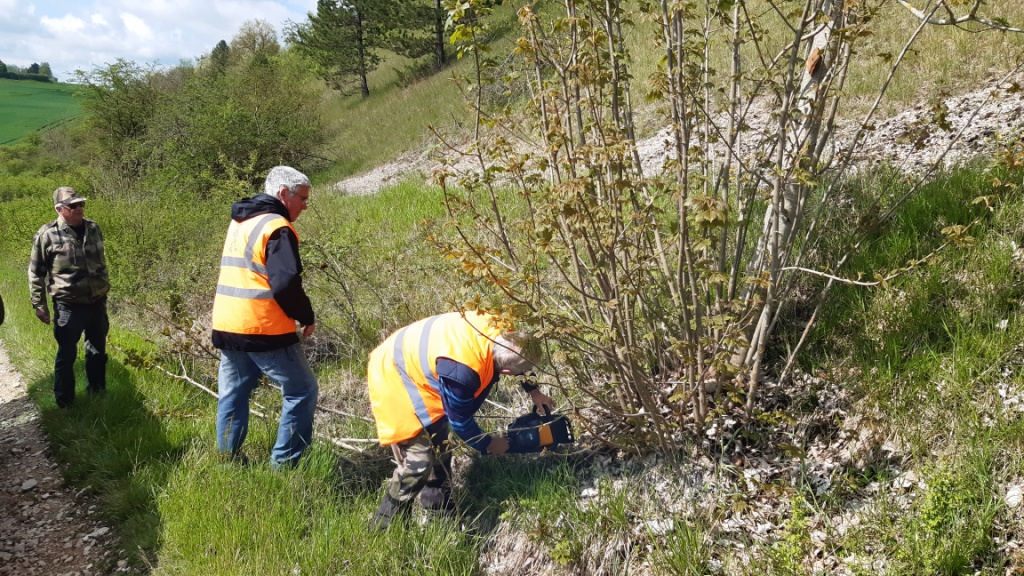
(783,217)
(440,58)
(361,44)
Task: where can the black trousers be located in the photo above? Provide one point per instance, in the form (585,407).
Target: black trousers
(70,321)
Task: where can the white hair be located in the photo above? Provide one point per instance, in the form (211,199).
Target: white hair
(284,177)
(517,352)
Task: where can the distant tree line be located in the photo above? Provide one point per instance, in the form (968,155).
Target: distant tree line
(37,72)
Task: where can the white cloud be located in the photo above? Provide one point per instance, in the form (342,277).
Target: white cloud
(11,11)
(68,23)
(84,34)
(136,26)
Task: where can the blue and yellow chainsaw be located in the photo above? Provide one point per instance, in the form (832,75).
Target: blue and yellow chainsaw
(534,432)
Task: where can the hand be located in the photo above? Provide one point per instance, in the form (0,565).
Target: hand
(307,331)
(498,445)
(544,404)
(43,314)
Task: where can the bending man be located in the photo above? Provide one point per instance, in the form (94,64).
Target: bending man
(428,376)
(259,300)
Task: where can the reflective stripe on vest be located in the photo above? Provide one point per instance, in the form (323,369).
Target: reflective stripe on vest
(405,393)
(244,303)
(425,368)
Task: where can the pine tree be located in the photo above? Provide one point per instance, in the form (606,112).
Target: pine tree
(342,40)
(219,57)
(417,30)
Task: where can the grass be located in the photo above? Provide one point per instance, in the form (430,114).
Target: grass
(397,118)
(31,106)
(147,452)
(146,448)
(935,347)
(945,59)
(304,521)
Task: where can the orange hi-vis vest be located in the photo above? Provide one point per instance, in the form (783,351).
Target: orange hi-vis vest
(244,303)
(405,394)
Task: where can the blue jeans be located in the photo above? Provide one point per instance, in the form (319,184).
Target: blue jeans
(240,374)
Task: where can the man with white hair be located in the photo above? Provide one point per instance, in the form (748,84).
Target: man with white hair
(258,303)
(432,375)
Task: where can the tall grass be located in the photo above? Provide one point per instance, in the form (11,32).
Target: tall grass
(939,352)
(930,347)
(398,117)
(225,519)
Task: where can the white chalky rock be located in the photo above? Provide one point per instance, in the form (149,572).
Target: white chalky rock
(1014,495)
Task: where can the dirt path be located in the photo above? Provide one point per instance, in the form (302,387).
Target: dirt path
(45,527)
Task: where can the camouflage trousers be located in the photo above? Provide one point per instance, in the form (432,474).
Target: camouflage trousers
(424,465)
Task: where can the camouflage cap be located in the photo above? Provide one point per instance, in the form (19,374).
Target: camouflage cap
(66,195)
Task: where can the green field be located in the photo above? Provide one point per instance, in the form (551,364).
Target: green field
(27,106)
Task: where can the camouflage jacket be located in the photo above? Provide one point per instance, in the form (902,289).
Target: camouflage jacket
(70,269)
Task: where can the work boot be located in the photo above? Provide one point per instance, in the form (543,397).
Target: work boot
(389,507)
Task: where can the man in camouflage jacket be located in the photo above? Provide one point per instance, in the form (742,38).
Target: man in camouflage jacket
(67,261)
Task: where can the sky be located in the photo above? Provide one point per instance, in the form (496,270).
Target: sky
(85,34)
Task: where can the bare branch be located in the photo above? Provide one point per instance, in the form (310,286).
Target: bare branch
(953,20)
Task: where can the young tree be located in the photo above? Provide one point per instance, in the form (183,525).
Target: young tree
(661,285)
(342,40)
(255,39)
(440,52)
(121,99)
(251,118)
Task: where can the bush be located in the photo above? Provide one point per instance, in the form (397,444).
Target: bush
(256,115)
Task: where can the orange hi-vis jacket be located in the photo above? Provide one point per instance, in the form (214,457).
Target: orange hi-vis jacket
(244,303)
(405,393)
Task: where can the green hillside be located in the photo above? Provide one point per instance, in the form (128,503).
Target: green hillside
(29,106)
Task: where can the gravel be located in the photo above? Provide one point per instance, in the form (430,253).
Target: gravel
(44,529)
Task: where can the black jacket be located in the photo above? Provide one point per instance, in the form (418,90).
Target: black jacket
(284,270)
